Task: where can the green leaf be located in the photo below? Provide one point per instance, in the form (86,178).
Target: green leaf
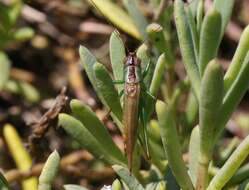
(102,83)
(115,14)
(137,16)
(237,60)
(171,144)
(209,109)
(116,185)
(231,165)
(241,175)
(107,93)
(14,11)
(161,185)
(158,75)
(234,95)
(117,55)
(191,112)
(209,39)
(186,45)
(127,177)
(88,118)
(4,185)
(5,69)
(24,33)
(193,5)
(74,187)
(81,134)
(49,171)
(28,91)
(225,8)
(88,61)
(194,32)
(194,149)
(210,105)
(156,34)
(199,16)
(142,54)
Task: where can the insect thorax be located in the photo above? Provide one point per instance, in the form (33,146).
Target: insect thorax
(132,74)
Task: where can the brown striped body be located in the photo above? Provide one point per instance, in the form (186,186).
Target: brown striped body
(131,103)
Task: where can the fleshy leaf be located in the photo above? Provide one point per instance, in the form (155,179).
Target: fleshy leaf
(107,92)
(186,46)
(115,14)
(171,144)
(5,69)
(49,171)
(137,16)
(117,55)
(209,39)
(81,134)
(225,8)
(194,149)
(74,187)
(88,118)
(127,177)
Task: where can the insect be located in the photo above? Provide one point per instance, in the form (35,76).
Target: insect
(135,96)
(134,103)
(131,103)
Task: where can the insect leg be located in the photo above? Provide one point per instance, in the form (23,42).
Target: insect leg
(118,82)
(146,70)
(143,120)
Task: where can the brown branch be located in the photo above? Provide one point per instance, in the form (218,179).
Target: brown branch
(42,125)
(71,159)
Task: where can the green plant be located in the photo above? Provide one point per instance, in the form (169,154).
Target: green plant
(10,33)
(212,96)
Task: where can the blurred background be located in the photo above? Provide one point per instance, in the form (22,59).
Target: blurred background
(40,42)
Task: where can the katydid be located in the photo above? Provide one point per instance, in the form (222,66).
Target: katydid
(134,103)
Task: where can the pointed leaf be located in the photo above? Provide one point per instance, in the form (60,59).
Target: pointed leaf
(88,61)
(107,92)
(80,133)
(117,55)
(115,14)
(88,118)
